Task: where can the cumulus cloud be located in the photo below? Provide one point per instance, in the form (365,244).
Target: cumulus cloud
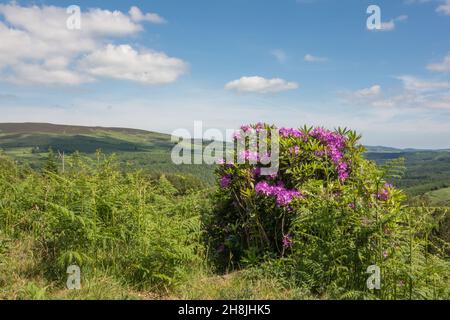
(362,96)
(443,66)
(36,46)
(260,85)
(123,62)
(416,84)
(312,58)
(417,93)
(444,8)
(137,16)
(26,73)
(368,92)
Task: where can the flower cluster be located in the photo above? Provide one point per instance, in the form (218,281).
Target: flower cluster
(225,181)
(249,155)
(287,241)
(335,143)
(290,132)
(384,193)
(284,196)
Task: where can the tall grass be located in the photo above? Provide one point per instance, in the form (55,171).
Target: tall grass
(93,215)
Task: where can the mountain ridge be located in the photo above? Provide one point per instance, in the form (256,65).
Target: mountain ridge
(51,128)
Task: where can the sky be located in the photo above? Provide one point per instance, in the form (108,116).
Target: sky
(160,65)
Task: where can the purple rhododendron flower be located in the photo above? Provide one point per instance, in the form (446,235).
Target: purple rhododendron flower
(259,126)
(256,171)
(290,132)
(335,144)
(237,135)
(287,241)
(342,170)
(264,188)
(283,196)
(246,128)
(294,150)
(384,194)
(249,155)
(225,181)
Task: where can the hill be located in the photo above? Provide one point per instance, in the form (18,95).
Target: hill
(30,142)
(425,170)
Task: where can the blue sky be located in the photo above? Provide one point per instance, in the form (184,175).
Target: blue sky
(289,62)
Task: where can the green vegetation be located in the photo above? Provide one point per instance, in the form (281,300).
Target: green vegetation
(322,219)
(425,170)
(440,197)
(29,143)
(142,228)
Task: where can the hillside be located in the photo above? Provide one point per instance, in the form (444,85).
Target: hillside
(440,197)
(425,170)
(30,142)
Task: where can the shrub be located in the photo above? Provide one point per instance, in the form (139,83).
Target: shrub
(326,216)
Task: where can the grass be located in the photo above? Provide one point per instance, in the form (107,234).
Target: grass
(440,197)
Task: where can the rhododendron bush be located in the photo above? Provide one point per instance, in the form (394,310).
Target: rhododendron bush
(326,215)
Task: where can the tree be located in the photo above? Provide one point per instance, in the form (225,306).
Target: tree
(51,164)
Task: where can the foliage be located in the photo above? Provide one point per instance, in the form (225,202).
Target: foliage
(323,219)
(101,219)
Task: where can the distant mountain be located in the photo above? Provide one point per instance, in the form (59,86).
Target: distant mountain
(380,149)
(33,127)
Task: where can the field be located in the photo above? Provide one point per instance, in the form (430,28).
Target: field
(141,227)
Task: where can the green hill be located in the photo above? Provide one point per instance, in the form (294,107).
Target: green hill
(425,170)
(30,142)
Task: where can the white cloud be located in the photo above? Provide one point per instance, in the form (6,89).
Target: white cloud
(444,8)
(123,62)
(312,58)
(443,66)
(417,94)
(36,46)
(137,16)
(280,55)
(25,73)
(260,85)
(368,92)
(362,96)
(416,84)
